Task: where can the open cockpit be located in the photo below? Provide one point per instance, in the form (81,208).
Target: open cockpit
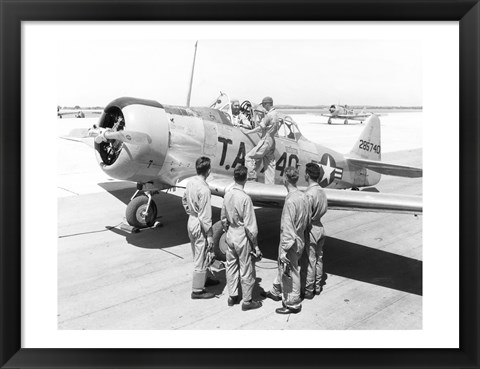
(254,114)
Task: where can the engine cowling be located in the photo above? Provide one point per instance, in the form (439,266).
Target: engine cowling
(139,163)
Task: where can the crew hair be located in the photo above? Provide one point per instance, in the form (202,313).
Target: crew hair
(240,174)
(292,175)
(313,171)
(202,165)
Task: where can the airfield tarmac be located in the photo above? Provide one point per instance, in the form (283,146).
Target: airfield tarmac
(111,279)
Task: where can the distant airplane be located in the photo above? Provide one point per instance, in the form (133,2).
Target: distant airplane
(343,112)
(77,113)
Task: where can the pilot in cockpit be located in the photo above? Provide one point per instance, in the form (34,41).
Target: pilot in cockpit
(239,118)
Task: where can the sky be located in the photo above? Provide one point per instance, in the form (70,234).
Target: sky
(92,72)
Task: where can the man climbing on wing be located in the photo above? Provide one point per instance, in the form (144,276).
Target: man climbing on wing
(265,149)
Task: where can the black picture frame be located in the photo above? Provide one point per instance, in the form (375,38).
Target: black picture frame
(467,12)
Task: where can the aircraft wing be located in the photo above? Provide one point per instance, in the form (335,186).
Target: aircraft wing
(386,168)
(274,196)
(349,116)
(361,116)
(353,116)
(346,116)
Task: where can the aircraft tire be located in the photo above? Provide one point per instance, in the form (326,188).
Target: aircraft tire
(329,121)
(346,121)
(134,211)
(219,243)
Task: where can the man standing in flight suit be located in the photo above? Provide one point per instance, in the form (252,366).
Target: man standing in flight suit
(312,259)
(265,148)
(294,224)
(238,219)
(196,201)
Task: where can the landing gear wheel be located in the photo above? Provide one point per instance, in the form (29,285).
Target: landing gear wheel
(329,120)
(346,121)
(355,189)
(219,243)
(136,215)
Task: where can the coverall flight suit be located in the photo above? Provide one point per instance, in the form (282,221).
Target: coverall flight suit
(241,120)
(294,222)
(265,149)
(196,201)
(312,259)
(239,217)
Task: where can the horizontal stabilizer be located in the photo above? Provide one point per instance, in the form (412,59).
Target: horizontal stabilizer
(274,196)
(386,168)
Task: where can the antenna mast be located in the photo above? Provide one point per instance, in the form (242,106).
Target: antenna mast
(191,77)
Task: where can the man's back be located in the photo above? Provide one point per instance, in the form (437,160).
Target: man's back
(237,211)
(237,205)
(196,201)
(318,203)
(270,124)
(295,218)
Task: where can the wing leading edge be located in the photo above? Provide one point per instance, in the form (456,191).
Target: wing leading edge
(347,116)
(274,196)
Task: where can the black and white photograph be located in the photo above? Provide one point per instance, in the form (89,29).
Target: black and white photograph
(125,257)
(258,182)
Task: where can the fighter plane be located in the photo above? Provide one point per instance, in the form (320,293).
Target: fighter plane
(343,112)
(156,146)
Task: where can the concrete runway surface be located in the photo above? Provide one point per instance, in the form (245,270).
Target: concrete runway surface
(110,279)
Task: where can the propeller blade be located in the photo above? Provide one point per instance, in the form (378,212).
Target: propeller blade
(78,133)
(131,137)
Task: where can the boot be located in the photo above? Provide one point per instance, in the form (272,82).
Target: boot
(250,305)
(202,295)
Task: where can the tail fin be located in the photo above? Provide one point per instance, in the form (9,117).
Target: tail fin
(368,145)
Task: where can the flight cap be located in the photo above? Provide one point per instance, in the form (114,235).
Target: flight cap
(267,99)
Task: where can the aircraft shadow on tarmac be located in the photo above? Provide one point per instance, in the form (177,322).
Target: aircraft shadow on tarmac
(170,213)
(354,261)
(342,258)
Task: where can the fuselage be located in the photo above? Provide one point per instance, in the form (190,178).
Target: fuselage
(180,135)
